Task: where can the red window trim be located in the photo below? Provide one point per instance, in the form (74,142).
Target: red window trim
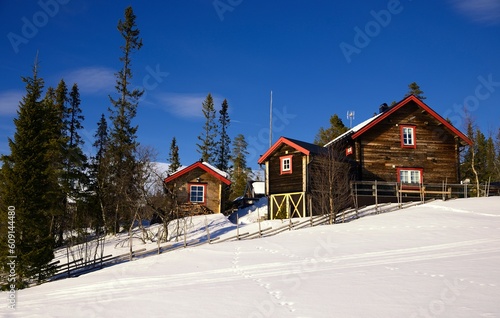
(204,185)
(282,159)
(414,135)
(348,151)
(409,169)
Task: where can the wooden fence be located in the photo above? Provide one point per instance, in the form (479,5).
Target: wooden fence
(375,192)
(370,197)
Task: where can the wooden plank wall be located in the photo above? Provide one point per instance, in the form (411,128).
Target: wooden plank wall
(381,151)
(285,183)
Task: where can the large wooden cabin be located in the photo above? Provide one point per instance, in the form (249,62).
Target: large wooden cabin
(408,142)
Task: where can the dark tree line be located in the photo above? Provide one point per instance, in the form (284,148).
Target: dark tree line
(58,193)
(215,146)
(62,197)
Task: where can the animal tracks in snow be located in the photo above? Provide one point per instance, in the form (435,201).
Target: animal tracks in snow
(464,280)
(275,295)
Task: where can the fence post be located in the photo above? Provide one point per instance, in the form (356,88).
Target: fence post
(208,232)
(185,230)
(397,195)
(258,220)
(376,196)
(238,226)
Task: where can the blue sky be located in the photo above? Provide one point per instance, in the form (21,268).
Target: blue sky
(318,57)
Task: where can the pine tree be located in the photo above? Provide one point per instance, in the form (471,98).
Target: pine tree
(414,89)
(101,141)
(336,129)
(122,144)
(480,148)
(490,160)
(75,177)
(467,158)
(55,107)
(173,157)
(207,137)
(497,157)
(223,152)
(25,181)
(240,173)
(99,173)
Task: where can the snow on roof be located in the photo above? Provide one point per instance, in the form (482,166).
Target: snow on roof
(222,173)
(259,187)
(354,129)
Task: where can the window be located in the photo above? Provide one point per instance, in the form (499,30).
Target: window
(285,164)
(408,137)
(410,176)
(197,193)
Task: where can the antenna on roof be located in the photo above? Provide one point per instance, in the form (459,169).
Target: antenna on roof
(350,116)
(271,121)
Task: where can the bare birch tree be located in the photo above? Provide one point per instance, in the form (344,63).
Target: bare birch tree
(330,180)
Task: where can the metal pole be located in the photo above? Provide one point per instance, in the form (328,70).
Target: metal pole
(271,121)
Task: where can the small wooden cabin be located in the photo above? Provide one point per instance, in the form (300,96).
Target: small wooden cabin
(408,142)
(288,168)
(200,184)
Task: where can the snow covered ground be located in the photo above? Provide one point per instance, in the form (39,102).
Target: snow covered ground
(441,259)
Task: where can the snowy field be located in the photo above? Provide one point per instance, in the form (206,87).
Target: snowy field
(441,259)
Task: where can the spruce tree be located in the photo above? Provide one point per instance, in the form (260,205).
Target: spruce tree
(75,161)
(55,108)
(101,139)
(336,129)
(490,160)
(240,173)
(207,138)
(414,89)
(223,151)
(122,144)
(173,157)
(497,157)
(99,173)
(75,176)
(25,181)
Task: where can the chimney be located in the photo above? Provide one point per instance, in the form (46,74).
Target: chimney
(383,108)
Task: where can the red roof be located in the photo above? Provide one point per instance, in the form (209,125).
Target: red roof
(302,146)
(199,165)
(420,104)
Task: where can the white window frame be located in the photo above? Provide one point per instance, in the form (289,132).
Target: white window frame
(408,136)
(195,188)
(286,164)
(410,176)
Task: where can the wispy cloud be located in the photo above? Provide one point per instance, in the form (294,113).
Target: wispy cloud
(92,80)
(185,105)
(481,11)
(9,101)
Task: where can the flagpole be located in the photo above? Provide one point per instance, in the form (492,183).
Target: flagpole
(271,121)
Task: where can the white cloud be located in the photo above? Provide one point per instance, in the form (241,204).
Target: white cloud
(92,80)
(481,11)
(185,105)
(9,101)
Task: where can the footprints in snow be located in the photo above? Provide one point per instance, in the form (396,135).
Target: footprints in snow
(377,228)
(276,295)
(460,279)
